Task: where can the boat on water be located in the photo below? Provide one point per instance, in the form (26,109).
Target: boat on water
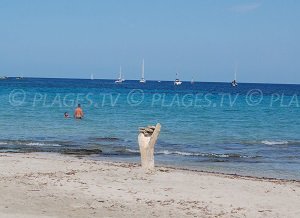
(234,82)
(92,76)
(120,79)
(20,77)
(192,81)
(142,80)
(3,77)
(177,81)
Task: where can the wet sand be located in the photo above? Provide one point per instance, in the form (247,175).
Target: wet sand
(54,185)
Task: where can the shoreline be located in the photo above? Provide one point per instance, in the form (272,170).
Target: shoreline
(215,173)
(232,175)
(160,165)
(51,185)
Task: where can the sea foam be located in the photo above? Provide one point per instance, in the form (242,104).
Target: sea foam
(267,142)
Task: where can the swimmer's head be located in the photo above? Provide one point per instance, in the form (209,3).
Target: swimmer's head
(79,105)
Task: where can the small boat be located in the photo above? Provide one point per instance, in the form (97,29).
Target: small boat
(3,77)
(120,79)
(234,82)
(92,76)
(20,77)
(192,81)
(177,82)
(143,73)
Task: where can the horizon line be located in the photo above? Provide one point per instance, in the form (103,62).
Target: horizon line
(152,80)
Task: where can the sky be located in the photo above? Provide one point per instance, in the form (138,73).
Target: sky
(201,39)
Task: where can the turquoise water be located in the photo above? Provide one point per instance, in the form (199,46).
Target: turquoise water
(252,129)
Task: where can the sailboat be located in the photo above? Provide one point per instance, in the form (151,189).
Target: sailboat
(177,82)
(92,76)
(192,81)
(234,82)
(20,77)
(3,77)
(120,79)
(143,73)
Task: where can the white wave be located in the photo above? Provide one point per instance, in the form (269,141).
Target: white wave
(3,143)
(220,155)
(166,152)
(132,151)
(42,144)
(181,153)
(266,142)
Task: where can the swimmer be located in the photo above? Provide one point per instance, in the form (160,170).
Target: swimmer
(78,114)
(66,114)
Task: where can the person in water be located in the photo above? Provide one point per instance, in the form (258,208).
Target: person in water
(66,114)
(78,114)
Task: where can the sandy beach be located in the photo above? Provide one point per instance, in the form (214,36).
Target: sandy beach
(53,185)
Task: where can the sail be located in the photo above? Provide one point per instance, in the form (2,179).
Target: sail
(120,73)
(234,82)
(143,73)
(120,79)
(143,70)
(235,71)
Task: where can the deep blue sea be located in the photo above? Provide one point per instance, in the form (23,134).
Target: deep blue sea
(252,129)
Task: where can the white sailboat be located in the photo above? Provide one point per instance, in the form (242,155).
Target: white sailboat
(177,82)
(143,73)
(120,79)
(234,82)
(3,77)
(92,76)
(20,77)
(192,81)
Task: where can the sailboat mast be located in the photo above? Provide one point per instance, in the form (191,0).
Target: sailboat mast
(120,77)
(143,69)
(235,72)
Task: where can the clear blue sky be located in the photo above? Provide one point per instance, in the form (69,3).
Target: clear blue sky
(199,38)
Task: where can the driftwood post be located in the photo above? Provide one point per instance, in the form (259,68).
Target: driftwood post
(147,139)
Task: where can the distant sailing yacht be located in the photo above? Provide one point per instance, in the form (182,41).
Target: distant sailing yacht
(3,77)
(177,82)
(92,76)
(120,79)
(234,82)
(20,77)
(143,73)
(192,81)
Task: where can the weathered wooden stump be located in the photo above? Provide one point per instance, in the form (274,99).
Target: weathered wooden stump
(147,139)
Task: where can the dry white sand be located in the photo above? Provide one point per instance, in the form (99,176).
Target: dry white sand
(52,185)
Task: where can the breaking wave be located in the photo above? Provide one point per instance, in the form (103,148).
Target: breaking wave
(29,143)
(267,142)
(182,153)
(42,144)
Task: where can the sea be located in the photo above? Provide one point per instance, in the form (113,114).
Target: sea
(249,130)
